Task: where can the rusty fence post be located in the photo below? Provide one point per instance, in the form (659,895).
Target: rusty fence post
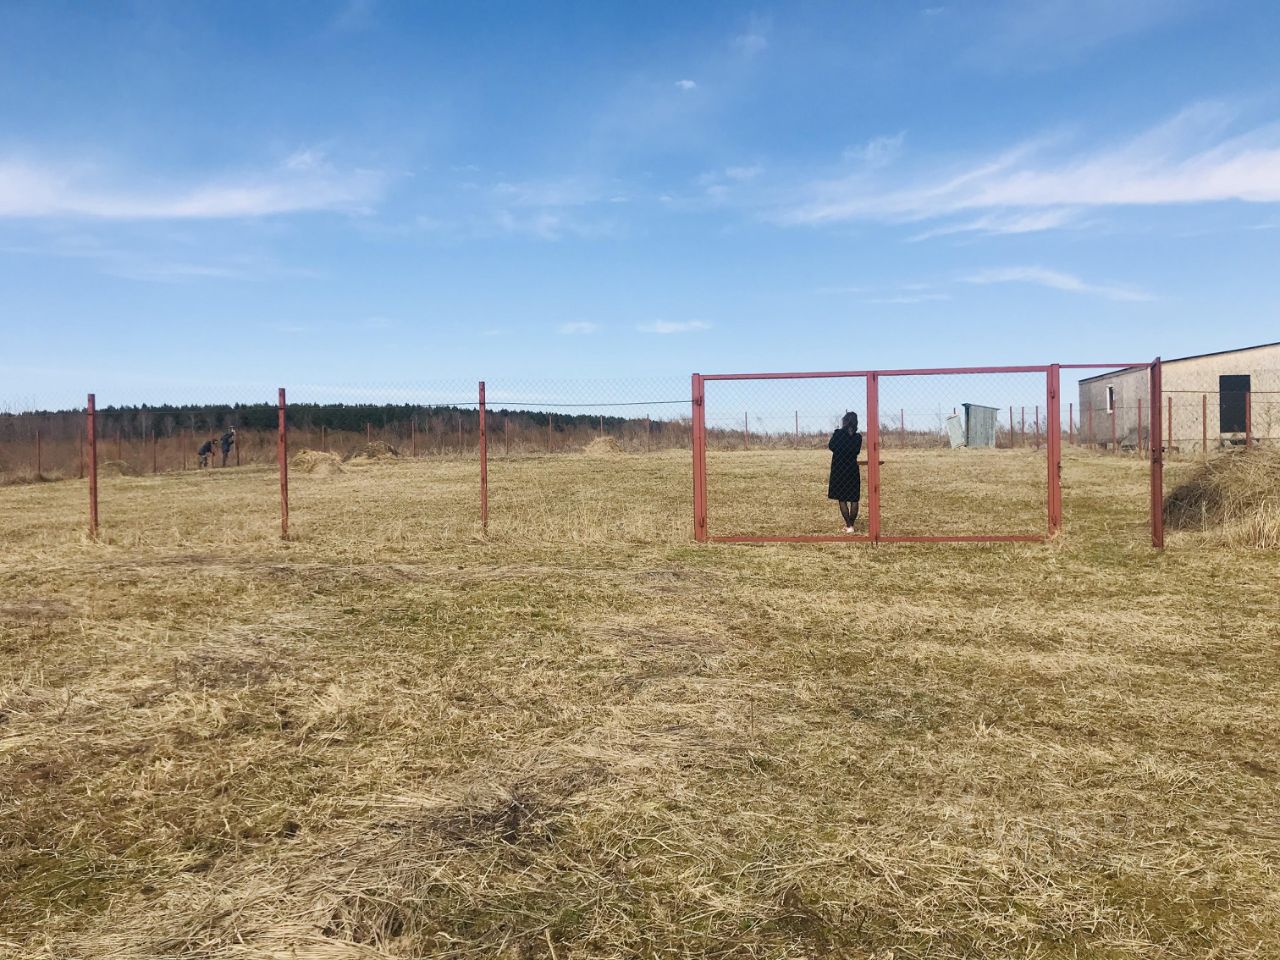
(1053,440)
(91,432)
(282,458)
(1157,459)
(699,445)
(1204,425)
(1023,441)
(484,465)
(1138,444)
(873,455)
(1012,444)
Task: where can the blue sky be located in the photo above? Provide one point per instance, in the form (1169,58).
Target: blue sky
(204,198)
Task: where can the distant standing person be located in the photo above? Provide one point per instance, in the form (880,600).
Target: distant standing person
(205,453)
(845,484)
(228,441)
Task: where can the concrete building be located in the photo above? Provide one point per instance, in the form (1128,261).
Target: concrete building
(1211,401)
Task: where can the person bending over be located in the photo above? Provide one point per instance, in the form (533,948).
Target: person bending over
(845,484)
(205,453)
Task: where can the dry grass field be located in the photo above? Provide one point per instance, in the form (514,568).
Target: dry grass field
(584,736)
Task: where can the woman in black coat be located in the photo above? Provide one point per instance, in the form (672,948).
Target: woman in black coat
(845,484)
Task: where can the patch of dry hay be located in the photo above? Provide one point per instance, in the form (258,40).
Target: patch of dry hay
(1236,495)
(316,462)
(115,468)
(603,447)
(373,450)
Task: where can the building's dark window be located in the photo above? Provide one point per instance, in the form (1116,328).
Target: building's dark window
(1233,389)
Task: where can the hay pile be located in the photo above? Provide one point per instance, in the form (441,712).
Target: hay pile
(374,450)
(115,468)
(316,462)
(602,447)
(1236,495)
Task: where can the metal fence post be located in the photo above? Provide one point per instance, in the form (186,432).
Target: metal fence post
(1036,426)
(1023,440)
(1138,444)
(1204,425)
(91,432)
(282,457)
(1157,460)
(873,455)
(484,465)
(699,459)
(1053,437)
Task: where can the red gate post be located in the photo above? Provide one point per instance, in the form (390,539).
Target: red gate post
(1204,425)
(1157,460)
(91,431)
(873,456)
(1053,438)
(1138,444)
(484,465)
(699,459)
(282,457)
(1248,419)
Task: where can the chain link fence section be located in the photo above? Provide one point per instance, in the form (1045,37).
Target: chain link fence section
(965,455)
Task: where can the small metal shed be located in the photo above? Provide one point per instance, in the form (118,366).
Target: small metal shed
(979,425)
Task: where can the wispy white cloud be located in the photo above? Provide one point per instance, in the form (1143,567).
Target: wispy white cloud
(578,328)
(994,224)
(1057,280)
(303,182)
(753,40)
(878,151)
(674,326)
(1189,159)
(905,298)
(686,84)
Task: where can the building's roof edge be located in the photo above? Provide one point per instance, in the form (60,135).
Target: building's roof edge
(1194,356)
